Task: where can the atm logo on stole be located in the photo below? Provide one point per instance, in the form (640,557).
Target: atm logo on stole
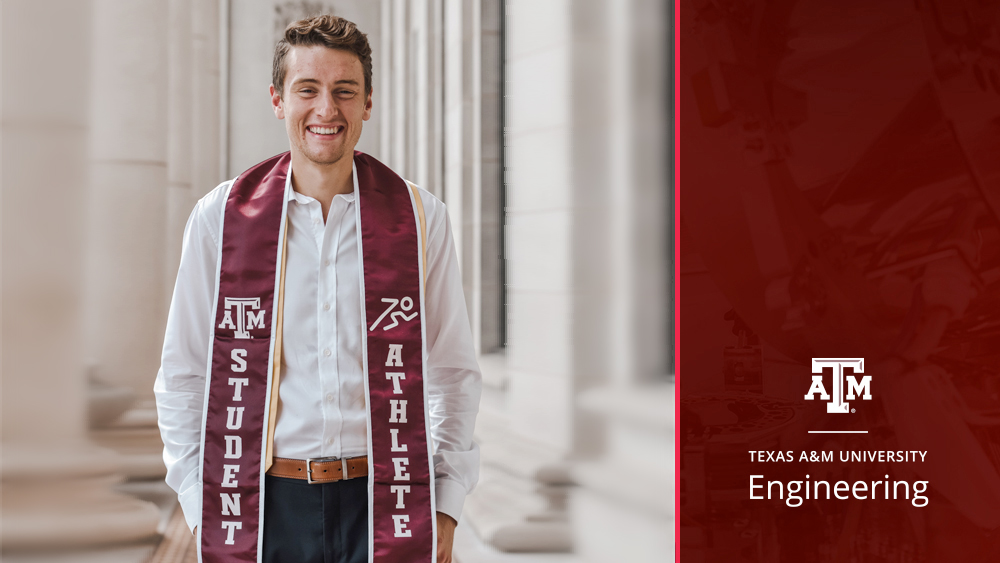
(845,387)
(246,317)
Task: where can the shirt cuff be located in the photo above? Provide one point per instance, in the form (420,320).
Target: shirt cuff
(190,501)
(449,497)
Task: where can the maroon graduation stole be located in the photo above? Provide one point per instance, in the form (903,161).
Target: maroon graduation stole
(246,344)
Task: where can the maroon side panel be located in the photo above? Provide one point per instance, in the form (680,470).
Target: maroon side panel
(839,173)
(402,517)
(237,404)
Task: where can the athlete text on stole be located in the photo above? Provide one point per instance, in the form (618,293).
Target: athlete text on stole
(398,416)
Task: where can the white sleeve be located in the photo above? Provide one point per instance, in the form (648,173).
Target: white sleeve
(454,382)
(180,382)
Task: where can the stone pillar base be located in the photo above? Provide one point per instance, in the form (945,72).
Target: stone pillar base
(519,504)
(59,499)
(514,514)
(135,437)
(608,525)
(623,510)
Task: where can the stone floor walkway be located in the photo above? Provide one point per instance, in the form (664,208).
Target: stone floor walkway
(469,549)
(156,492)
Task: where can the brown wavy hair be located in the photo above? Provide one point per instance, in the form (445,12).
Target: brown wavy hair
(329,31)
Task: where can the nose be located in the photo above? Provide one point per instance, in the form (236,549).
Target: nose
(328,107)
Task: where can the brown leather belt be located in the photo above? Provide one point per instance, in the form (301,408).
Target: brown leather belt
(320,470)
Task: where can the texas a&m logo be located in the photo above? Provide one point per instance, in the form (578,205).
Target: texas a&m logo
(845,387)
(245,319)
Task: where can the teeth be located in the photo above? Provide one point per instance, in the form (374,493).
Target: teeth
(326,130)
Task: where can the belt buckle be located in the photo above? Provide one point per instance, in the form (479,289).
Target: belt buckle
(309,471)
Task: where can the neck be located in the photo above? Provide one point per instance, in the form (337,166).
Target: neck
(323,182)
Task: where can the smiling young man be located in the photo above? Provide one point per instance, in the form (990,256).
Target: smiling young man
(319,387)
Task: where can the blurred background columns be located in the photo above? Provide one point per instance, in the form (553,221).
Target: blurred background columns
(180,122)
(576,423)
(56,484)
(625,479)
(199,106)
(137,47)
(526,420)
(127,212)
(155,150)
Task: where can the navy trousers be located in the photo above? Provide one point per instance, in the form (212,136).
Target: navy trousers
(315,523)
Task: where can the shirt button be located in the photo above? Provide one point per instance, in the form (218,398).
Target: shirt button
(326,263)
(326,306)
(326,352)
(329,397)
(329,441)
(317,221)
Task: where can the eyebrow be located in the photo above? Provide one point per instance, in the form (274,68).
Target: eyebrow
(314,81)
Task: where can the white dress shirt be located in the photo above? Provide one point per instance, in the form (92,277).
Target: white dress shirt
(321,410)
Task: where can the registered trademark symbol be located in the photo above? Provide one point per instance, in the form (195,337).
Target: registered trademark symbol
(854,410)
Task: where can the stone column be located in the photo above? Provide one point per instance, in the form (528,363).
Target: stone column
(526,422)
(126,295)
(623,505)
(586,250)
(419,144)
(472,210)
(180,122)
(398,94)
(382,75)
(56,485)
(436,111)
(193,154)
(141,64)
(204,108)
(542,201)
(192,145)
(462,148)
(451,86)
(408,90)
(491,135)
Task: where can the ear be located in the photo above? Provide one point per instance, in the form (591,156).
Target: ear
(368,107)
(277,104)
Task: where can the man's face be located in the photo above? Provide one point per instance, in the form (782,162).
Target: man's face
(324,102)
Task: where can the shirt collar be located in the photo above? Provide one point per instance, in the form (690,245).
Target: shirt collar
(304,199)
